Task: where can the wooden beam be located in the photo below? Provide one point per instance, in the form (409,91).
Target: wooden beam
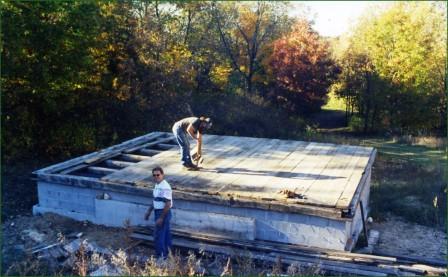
(73,168)
(101,170)
(134,158)
(149,152)
(165,146)
(104,153)
(149,144)
(120,164)
(324,265)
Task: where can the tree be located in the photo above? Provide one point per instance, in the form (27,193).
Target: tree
(244,29)
(302,68)
(405,46)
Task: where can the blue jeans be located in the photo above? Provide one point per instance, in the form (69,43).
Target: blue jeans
(183,142)
(162,234)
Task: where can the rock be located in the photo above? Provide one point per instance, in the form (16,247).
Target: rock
(74,246)
(19,247)
(34,235)
(106,270)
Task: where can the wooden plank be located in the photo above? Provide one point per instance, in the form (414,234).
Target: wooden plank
(94,183)
(212,146)
(273,257)
(142,170)
(309,164)
(365,181)
(312,167)
(120,164)
(104,152)
(134,158)
(326,188)
(149,152)
(250,182)
(275,183)
(73,168)
(109,154)
(165,146)
(167,137)
(280,248)
(170,162)
(224,165)
(145,189)
(247,202)
(101,170)
(217,153)
(412,259)
(353,183)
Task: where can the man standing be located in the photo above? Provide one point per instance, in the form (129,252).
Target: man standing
(162,203)
(194,127)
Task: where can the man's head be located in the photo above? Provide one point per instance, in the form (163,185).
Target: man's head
(157,174)
(206,122)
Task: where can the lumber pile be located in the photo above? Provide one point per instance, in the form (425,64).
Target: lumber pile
(330,261)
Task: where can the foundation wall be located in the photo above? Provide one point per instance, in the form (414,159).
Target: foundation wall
(235,222)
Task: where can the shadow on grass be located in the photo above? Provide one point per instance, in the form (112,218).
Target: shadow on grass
(409,188)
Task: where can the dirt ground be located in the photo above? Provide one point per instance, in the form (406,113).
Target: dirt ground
(399,237)
(24,233)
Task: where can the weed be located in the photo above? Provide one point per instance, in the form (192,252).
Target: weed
(82,262)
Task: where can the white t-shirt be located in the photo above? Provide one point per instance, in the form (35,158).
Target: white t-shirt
(162,192)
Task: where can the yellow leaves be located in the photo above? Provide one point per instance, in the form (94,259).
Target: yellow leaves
(115,83)
(220,74)
(177,54)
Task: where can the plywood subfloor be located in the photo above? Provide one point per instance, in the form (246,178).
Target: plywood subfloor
(320,174)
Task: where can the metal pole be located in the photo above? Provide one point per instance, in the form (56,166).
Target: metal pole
(364,223)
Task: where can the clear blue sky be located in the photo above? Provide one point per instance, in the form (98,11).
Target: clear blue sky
(332,18)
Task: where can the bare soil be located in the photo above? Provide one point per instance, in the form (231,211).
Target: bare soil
(400,237)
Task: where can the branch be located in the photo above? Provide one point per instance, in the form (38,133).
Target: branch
(226,45)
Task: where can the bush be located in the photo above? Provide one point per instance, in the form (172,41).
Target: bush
(356,123)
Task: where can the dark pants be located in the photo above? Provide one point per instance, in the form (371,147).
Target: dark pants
(183,142)
(162,234)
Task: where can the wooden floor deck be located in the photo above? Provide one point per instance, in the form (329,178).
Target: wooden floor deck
(318,174)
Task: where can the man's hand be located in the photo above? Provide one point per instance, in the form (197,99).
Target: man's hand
(159,222)
(148,214)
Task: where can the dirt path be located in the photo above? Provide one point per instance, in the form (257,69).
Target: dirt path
(327,120)
(400,237)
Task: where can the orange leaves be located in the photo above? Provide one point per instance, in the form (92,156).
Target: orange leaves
(301,64)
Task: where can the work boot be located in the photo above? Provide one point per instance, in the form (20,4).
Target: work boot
(190,166)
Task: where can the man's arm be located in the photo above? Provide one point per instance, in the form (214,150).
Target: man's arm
(164,213)
(199,145)
(148,212)
(190,130)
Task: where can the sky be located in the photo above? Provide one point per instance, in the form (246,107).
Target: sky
(332,18)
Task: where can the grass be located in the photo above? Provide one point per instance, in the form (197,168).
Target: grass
(407,180)
(334,103)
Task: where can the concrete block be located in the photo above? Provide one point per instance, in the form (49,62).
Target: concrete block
(304,234)
(233,226)
(115,213)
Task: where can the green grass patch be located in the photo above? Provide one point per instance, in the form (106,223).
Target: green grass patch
(407,180)
(334,103)
(411,189)
(422,155)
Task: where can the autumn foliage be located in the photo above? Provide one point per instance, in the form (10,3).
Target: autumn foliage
(302,69)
